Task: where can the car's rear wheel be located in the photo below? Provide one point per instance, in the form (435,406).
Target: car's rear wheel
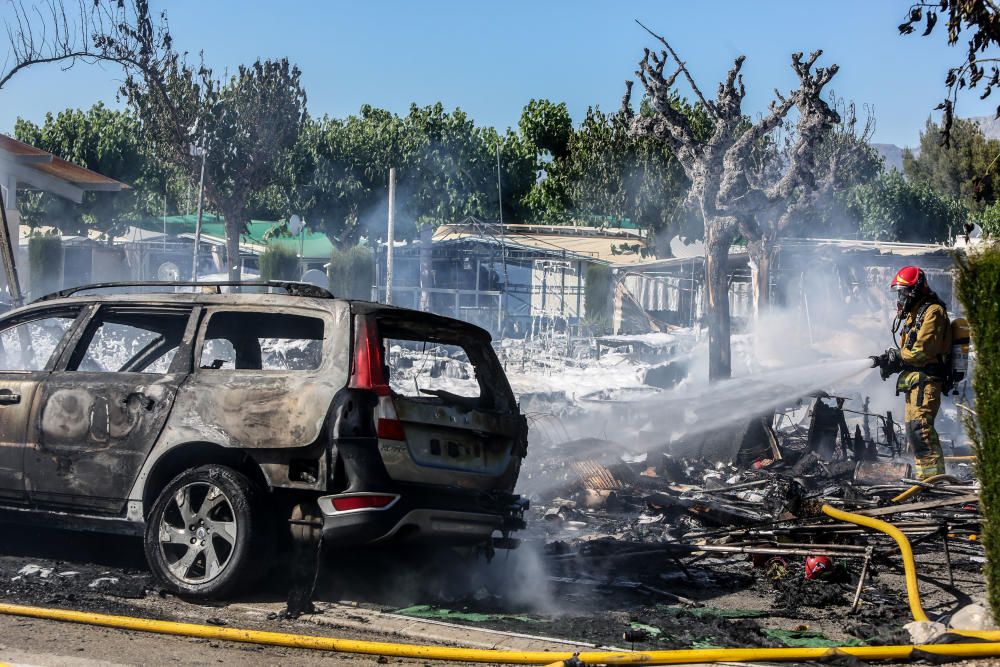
(205,534)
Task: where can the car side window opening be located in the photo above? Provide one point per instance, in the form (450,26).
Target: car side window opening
(29,346)
(262,341)
(134,342)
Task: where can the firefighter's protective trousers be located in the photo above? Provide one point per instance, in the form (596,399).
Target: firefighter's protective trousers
(922,405)
(925,342)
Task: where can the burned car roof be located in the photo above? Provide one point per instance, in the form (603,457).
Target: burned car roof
(276,300)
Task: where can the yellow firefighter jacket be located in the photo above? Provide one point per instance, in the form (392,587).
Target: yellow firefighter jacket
(924,344)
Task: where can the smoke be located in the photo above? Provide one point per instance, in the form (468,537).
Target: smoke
(833,311)
(454,578)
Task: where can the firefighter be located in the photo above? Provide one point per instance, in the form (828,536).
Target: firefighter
(921,359)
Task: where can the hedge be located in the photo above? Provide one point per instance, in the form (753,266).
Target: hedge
(597,297)
(978,288)
(45,262)
(279,263)
(352,272)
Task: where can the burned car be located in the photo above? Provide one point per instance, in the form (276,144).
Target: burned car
(212,423)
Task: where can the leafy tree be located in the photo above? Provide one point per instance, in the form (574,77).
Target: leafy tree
(547,126)
(446,168)
(980,20)
(449,173)
(963,169)
(108,142)
(247,124)
(612,172)
(894,209)
(989,220)
(600,170)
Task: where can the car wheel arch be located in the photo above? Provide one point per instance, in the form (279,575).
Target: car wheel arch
(190,455)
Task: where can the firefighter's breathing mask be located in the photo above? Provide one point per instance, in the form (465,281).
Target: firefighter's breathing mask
(906,297)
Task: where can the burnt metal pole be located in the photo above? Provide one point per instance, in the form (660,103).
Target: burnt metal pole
(502,300)
(7,251)
(391,235)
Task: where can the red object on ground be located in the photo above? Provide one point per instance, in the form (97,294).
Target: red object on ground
(817,566)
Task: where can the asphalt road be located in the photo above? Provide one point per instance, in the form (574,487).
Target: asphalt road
(107,574)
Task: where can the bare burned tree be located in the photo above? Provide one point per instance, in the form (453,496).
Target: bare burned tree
(724,168)
(840,154)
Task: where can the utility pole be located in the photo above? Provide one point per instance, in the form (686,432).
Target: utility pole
(196,150)
(391,235)
(501,301)
(7,250)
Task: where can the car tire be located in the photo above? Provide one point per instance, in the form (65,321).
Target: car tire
(207,535)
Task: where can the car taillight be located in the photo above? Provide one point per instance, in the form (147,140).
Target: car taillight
(391,429)
(368,372)
(369,501)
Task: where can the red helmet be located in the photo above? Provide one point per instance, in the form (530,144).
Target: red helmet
(817,566)
(910,285)
(910,276)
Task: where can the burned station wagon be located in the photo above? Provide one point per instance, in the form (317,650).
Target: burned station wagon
(210,423)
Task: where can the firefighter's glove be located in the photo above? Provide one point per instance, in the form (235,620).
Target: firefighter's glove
(888,363)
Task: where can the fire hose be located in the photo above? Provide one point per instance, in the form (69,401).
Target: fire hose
(909,567)
(988,648)
(917,488)
(442,653)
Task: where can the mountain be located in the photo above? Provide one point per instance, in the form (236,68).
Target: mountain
(990,125)
(892,154)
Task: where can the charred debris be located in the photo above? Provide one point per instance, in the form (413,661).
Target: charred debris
(677,519)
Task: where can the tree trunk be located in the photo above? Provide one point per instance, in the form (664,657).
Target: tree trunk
(720,364)
(233,230)
(761,255)
(426,277)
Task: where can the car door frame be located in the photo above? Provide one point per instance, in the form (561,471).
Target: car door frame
(104,467)
(28,384)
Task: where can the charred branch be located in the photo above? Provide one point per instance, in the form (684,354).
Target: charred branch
(682,67)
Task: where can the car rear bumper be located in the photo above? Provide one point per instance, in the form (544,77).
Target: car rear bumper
(419,515)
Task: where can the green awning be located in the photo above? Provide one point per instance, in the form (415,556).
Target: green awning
(314,245)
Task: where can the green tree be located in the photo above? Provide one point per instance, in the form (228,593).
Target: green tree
(894,209)
(547,126)
(963,169)
(446,169)
(601,170)
(110,143)
(612,172)
(249,125)
(989,220)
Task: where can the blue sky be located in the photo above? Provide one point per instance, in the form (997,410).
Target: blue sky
(491,58)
